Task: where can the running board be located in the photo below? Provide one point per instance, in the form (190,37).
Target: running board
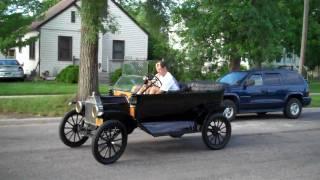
(167,128)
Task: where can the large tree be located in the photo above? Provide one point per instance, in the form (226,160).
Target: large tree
(94,19)
(233,30)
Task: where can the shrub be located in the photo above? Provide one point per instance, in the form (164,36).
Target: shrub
(114,76)
(70,74)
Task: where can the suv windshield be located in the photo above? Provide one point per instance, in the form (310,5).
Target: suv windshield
(233,78)
(132,75)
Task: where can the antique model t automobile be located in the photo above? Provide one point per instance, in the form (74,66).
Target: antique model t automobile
(110,118)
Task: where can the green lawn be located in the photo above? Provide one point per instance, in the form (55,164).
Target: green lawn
(40,88)
(314,86)
(315,102)
(40,106)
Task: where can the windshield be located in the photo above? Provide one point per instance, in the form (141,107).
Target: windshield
(9,62)
(132,75)
(233,78)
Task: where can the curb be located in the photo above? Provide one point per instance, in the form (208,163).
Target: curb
(28,121)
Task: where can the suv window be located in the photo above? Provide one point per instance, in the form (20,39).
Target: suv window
(233,78)
(257,79)
(272,79)
(292,78)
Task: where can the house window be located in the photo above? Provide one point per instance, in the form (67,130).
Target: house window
(32,51)
(118,49)
(64,48)
(73,16)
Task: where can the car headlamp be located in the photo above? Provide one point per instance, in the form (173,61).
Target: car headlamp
(79,106)
(96,112)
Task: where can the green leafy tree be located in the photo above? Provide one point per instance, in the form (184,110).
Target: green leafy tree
(233,30)
(15,16)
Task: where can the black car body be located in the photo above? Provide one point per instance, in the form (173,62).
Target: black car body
(262,91)
(110,118)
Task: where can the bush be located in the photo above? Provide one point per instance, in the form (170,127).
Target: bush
(114,76)
(70,74)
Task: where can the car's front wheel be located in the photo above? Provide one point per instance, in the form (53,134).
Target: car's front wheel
(230,110)
(293,108)
(109,142)
(216,131)
(69,129)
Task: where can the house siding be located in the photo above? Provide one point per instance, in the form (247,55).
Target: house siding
(49,50)
(23,56)
(136,42)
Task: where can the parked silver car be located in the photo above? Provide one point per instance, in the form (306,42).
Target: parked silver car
(11,69)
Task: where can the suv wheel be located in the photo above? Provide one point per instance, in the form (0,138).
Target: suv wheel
(293,108)
(230,109)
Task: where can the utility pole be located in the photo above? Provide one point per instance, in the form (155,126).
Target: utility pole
(304,35)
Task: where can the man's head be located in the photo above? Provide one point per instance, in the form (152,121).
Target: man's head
(161,67)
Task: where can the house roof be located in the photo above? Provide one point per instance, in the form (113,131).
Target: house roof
(65,4)
(51,13)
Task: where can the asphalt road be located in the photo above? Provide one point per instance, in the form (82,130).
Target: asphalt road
(269,147)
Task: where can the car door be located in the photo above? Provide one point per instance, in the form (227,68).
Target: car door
(275,91)
(252,97)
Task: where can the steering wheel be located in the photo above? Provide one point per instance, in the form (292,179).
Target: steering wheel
(149,81)
(154,79)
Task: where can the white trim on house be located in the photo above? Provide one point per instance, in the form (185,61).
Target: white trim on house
(48,31)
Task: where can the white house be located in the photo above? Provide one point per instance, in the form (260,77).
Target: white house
(58,43)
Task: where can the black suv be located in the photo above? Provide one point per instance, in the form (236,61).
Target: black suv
(262,91)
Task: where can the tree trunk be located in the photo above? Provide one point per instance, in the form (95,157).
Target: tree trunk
(91,12)
(257,65)
(88,70)
(235,64)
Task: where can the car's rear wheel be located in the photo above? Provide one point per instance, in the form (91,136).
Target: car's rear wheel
(109,142)
(293,108)
(216,131)
(69,129)
(230,110)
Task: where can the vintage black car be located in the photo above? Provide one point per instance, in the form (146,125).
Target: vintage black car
(110,118)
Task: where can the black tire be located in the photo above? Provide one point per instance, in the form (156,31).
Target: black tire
(230,110)
(293,108)
(71,124)
(176,135)
(216,131)
(105,148)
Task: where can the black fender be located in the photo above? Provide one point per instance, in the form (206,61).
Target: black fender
(123,117)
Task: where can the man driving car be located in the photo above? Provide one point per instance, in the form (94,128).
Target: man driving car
(163,81)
